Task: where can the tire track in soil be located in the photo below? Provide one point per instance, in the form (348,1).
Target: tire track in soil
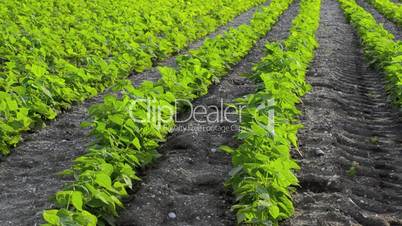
(28,176)
(188,180)
(348,121)
(389,25)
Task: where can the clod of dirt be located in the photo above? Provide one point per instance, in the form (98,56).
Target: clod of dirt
(172,215)
(319,152)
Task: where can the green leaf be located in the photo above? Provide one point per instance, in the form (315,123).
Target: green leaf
(274,211)
(104,181)
(63,198)
(37,70)
(51,217)
(106,168)
(235,170)
(117,119)
(77,200)
(226,149)
(87,218)
(258,130)
(136,143)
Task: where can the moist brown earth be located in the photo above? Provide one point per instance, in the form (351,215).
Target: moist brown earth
(351,173)
(186,185)
(28,177)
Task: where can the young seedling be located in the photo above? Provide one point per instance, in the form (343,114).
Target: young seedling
(353,169)
(374,140)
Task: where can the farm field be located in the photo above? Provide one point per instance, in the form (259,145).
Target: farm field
(213,112)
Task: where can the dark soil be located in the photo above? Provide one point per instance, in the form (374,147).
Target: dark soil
(28,177)
(389,25)
(187,182)
(351,173)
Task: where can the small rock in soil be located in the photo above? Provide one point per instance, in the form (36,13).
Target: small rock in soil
(172,215)
(319,152)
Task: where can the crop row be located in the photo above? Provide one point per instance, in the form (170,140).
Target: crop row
(262,174)
(389,9)
(54,53)
(127,136)
(380,46)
